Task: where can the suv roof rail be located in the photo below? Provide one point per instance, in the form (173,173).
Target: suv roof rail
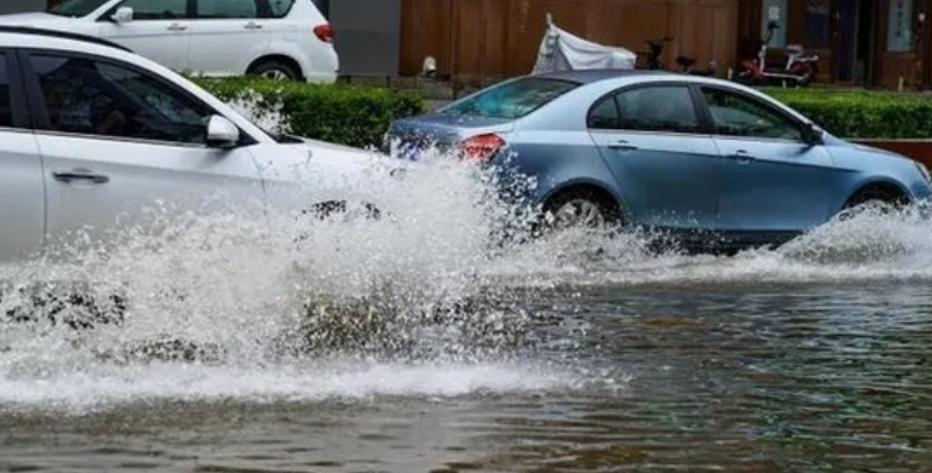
(63,35)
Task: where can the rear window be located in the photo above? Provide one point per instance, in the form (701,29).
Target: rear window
(280,8)
(512,99)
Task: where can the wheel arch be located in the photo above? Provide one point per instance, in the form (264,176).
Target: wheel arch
(590,185)
(886,186)
(276,57)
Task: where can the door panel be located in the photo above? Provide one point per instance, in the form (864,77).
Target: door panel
(22,195)
(159,31)
(771,181)
(126,179)
(668,180)
(227,33)
(667,169)
(775,186)
(117,140)
(22,214)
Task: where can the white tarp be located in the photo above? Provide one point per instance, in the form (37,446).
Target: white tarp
(563,51)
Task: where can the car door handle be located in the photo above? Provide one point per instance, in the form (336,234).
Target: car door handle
(177,27)
(743,157)
(253,26)
(80,175)
(622,145)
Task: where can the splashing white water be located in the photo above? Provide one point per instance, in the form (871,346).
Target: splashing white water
(258,305)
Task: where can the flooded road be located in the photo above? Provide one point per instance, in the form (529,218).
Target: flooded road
(809,377)
(262,344)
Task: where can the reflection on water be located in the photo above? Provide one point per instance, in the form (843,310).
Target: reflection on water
(421,343)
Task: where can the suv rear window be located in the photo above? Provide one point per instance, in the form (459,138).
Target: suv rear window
(512,100)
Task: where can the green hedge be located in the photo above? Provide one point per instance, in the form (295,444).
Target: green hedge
(346,114)
(861,113)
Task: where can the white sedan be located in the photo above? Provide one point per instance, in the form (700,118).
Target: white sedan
(92,134)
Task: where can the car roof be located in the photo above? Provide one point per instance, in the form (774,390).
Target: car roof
(58,34)
(589,76)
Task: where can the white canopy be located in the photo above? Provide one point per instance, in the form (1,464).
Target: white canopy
(563,51)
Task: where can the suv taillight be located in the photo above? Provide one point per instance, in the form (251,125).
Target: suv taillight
(324,32)
(481,148)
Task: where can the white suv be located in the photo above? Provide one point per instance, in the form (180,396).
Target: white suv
(281,39)
(91,135)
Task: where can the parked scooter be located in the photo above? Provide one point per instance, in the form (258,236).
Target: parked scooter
(655,51)
(800,68)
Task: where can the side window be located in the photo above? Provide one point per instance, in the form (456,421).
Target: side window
(661,108)
(157,9)
(604,116)
(226,9)
(737,115)
(6,108)
(99,98)
(280,8)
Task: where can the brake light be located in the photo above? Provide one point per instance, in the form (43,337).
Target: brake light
(324,32)
(481,148)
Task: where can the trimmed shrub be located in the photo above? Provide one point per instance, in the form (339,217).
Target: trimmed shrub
(345,114)
(861,113)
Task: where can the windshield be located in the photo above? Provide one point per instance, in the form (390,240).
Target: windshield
(76,8)
(512,99)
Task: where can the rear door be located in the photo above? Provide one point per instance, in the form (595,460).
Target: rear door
(227,34)
(666,165)
(120,143)
(159,31)
(771,181)
(22,194)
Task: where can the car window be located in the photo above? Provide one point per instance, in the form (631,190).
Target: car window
(666,108)
(157,9)
(6,108)
(100,98)
(604,115)
(222,9)
(513,99)
(280,8)
(738,115)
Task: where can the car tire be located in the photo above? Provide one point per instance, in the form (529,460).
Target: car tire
(581,208)
(881,200)
(275,70)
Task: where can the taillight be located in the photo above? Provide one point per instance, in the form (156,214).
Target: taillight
(481,148)
(324,32)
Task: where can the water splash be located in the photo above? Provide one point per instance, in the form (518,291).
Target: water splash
(427,300)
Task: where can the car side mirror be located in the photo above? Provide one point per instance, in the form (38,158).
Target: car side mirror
(123,15)
(222,133)
(811,135)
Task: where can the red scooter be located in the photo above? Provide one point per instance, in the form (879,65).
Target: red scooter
(800,68)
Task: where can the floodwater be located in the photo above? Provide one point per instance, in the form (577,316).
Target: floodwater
(416,344)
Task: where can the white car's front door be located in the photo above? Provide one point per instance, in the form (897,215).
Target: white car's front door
(22,199)
(118,141)
(227,33)
(159,31)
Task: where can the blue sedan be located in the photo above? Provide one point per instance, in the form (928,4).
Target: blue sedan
(689,154)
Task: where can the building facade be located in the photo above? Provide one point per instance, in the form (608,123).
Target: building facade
(881,43)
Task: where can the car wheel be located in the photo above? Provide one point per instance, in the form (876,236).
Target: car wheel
(877,200)
(581,209)
(275,70)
